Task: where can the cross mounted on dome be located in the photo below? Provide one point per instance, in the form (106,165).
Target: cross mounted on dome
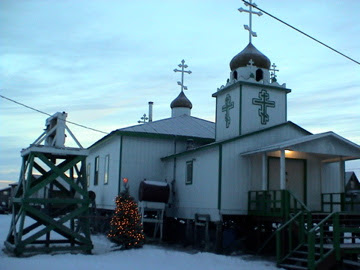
(273,70)
(251,12)
(182,66)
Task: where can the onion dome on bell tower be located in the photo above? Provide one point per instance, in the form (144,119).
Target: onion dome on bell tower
(181,105)
(248,55)
(250,63)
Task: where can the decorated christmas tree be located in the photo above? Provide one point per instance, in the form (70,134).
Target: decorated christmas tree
(126,228)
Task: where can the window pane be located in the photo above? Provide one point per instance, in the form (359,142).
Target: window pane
(106,175)
(96,174)
(189,172)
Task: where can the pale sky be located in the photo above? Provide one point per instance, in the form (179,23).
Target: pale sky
(102,61)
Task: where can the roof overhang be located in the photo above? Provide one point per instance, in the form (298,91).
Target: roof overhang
(330,146)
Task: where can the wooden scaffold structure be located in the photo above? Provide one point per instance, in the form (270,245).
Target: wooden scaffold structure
(51,202)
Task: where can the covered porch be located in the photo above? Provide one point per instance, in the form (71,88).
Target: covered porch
(305,173)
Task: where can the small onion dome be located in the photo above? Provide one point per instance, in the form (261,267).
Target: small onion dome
(249,53)
(181,102)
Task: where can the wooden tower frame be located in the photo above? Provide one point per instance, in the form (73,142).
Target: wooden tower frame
(51,203)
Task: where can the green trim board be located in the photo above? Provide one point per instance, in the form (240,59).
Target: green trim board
(147,135)
(286,108)
(220,176)
(120,163)
(162,136)
(216,118)
(237,138)
(228,88)
(305,181)
(240,108)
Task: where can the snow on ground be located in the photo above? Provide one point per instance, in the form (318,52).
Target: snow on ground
(149,257)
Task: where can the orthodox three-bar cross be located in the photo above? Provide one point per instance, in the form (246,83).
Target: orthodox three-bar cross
(264,102)
(226,108)
(182,66)
(273,72)
(251,12)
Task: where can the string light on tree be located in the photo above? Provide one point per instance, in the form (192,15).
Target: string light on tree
(126,228)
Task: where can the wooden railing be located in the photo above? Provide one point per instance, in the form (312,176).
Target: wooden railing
(276,203)
(331,202)
(319,235)
(291,235)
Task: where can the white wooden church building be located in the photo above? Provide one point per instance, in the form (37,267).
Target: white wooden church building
(211,167)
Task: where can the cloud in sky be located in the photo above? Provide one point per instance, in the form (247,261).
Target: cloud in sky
(102,61)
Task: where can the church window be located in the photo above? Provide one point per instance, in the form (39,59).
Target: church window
(235,75)
(88,174)
(106,174)
(259,75)
(189,172)
(96,171)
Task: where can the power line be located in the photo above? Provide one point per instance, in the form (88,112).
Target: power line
(298,30)
(42,112)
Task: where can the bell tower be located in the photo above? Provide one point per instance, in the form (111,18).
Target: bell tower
(251,99)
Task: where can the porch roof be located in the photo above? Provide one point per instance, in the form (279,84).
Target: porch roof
(329,144)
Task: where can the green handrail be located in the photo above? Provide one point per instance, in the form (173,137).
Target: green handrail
(279,203)
(312,234)
(280,253)
(297,201)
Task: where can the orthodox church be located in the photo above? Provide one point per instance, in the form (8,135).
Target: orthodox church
(220,169)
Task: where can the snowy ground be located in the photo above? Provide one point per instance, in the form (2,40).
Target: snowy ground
(149,257)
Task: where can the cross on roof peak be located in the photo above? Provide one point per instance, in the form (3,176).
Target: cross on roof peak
(182,66)
(273,70)
(251,12)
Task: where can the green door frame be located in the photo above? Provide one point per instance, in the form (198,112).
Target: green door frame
(305,174)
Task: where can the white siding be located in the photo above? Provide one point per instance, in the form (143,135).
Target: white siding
(331,182)
(105,193)
(141,159)
(236,169)
(202,195)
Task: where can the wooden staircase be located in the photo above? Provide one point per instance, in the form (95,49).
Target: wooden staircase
(308,240)
(322,242)
(298,259)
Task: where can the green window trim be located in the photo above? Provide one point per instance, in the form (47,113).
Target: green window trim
(96,171)
(106,169)
(189,172)
(88,174)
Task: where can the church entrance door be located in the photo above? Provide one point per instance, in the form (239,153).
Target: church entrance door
(295,176)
